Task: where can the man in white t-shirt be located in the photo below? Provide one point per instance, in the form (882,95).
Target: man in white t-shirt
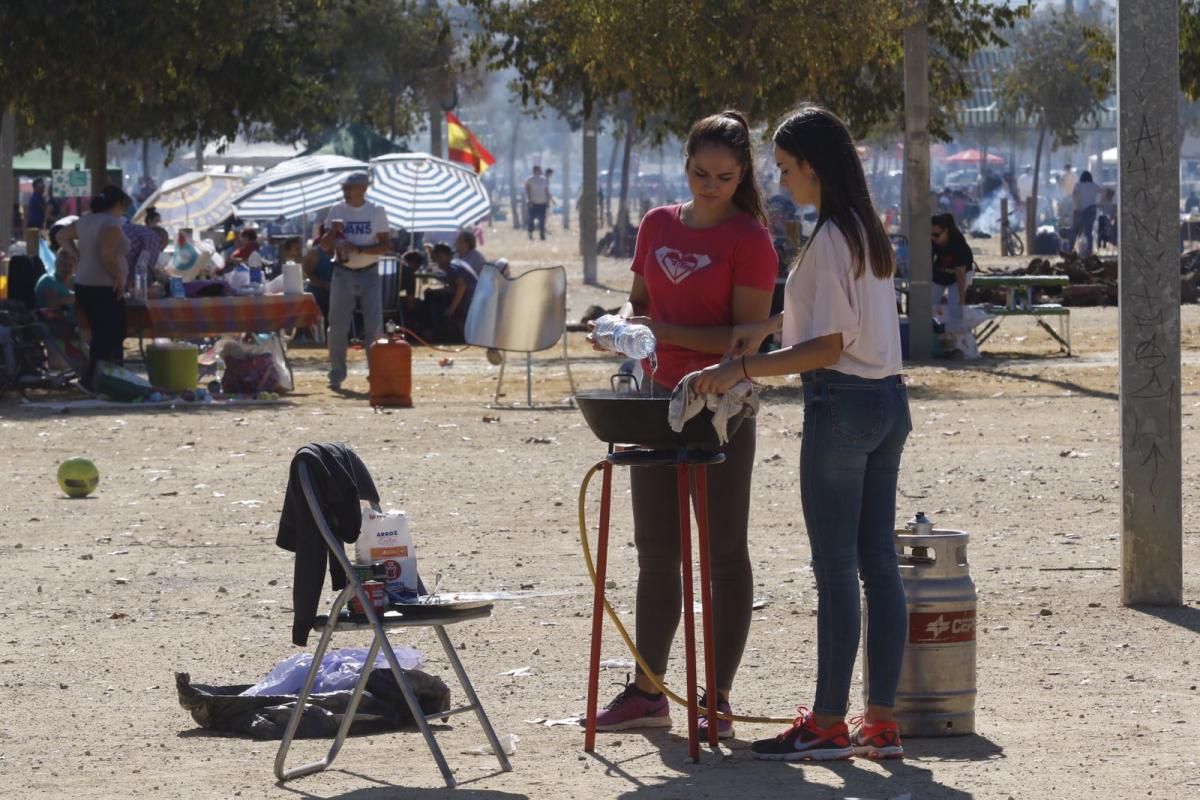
(537,196)
(356,235)
(1066,181)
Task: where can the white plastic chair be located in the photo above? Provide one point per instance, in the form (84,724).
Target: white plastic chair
(525,314)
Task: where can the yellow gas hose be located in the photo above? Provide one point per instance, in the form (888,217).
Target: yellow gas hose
(616,620)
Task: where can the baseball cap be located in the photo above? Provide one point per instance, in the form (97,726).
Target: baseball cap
(356,179)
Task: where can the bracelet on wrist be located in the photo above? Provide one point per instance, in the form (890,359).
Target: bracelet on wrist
(744,371)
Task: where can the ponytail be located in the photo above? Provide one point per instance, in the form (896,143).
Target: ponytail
(729,129)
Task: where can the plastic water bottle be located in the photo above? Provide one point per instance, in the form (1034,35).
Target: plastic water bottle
(619,335)
(141,276)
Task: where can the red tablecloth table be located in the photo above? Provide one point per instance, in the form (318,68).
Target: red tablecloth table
(209,316)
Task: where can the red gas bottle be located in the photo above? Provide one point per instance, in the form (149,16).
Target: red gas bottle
(389,365)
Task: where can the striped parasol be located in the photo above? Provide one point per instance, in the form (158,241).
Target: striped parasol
(297,186)
(193,200)
(423,193)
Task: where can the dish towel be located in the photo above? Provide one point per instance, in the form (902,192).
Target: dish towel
(685,404)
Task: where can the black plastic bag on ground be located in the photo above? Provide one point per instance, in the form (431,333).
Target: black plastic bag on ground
(382,707)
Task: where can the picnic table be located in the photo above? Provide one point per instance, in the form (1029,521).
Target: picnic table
(1019,302)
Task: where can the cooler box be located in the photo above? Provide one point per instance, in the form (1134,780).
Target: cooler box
(173,366)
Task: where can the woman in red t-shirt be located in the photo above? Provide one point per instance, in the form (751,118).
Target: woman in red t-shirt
(700,269)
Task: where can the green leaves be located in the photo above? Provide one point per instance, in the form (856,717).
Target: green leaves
(1061,71)
(677,60)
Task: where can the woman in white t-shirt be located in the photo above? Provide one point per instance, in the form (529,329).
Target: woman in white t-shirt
(841,334)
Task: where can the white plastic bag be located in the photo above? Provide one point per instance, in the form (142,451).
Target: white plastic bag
(338,671)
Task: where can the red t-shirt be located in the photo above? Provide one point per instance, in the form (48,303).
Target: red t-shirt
(690,274)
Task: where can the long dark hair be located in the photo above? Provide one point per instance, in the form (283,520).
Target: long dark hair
(109,198)
(814,135)
(730,129)
(946,222)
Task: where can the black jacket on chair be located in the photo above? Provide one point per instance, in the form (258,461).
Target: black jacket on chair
(341,481)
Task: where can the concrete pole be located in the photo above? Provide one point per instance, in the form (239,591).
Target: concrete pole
(916,182)
(588,207)
(1151,454)
(8,186)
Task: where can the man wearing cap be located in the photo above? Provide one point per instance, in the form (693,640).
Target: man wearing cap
(356,235)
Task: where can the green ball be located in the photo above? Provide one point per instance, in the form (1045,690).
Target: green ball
(78,477)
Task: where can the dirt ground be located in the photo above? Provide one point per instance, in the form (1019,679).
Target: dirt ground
(171,566)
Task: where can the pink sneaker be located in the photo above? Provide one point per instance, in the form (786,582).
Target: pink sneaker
(724,726)
(633,708)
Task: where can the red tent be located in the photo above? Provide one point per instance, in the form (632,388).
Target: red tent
(974,157)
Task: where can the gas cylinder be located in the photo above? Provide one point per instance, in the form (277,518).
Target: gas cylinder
(936,694)
(389,365)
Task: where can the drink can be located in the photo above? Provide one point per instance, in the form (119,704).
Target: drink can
(377,595)
(176,287)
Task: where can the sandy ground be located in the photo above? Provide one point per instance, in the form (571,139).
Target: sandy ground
(171,566)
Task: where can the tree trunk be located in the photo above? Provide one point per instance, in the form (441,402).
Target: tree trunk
(57,145)
(435,131)
(623,205)
(588,208)
(916,181)
(517,202)
(393,100)
(146,158)
(199,163)
(566,180)
(983,156)
(97,153)
(1031,215)
(8,186)
(612,168)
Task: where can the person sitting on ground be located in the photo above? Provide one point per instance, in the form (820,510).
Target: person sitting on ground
(466,249)
(55,292)
(953,263)
(448,305)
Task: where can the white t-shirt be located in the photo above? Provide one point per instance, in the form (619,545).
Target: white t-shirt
(537,189)
(363,224)
(823,297)
(1025,186)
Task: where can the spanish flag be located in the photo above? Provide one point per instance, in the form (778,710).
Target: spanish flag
(463,146)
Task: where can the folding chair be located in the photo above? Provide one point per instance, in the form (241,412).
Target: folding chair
(419,616)
(524,314)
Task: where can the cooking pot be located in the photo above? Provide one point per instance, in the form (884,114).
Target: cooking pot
(636,419)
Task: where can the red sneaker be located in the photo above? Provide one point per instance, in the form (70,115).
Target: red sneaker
(876,739)
(804,741)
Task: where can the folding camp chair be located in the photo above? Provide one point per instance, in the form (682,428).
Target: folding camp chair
(525,314)
(419,616)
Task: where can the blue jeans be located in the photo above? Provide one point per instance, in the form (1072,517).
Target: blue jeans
(854,433)
(346,287)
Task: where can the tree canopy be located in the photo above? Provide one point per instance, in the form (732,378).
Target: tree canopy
(676,60)
(183,70)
